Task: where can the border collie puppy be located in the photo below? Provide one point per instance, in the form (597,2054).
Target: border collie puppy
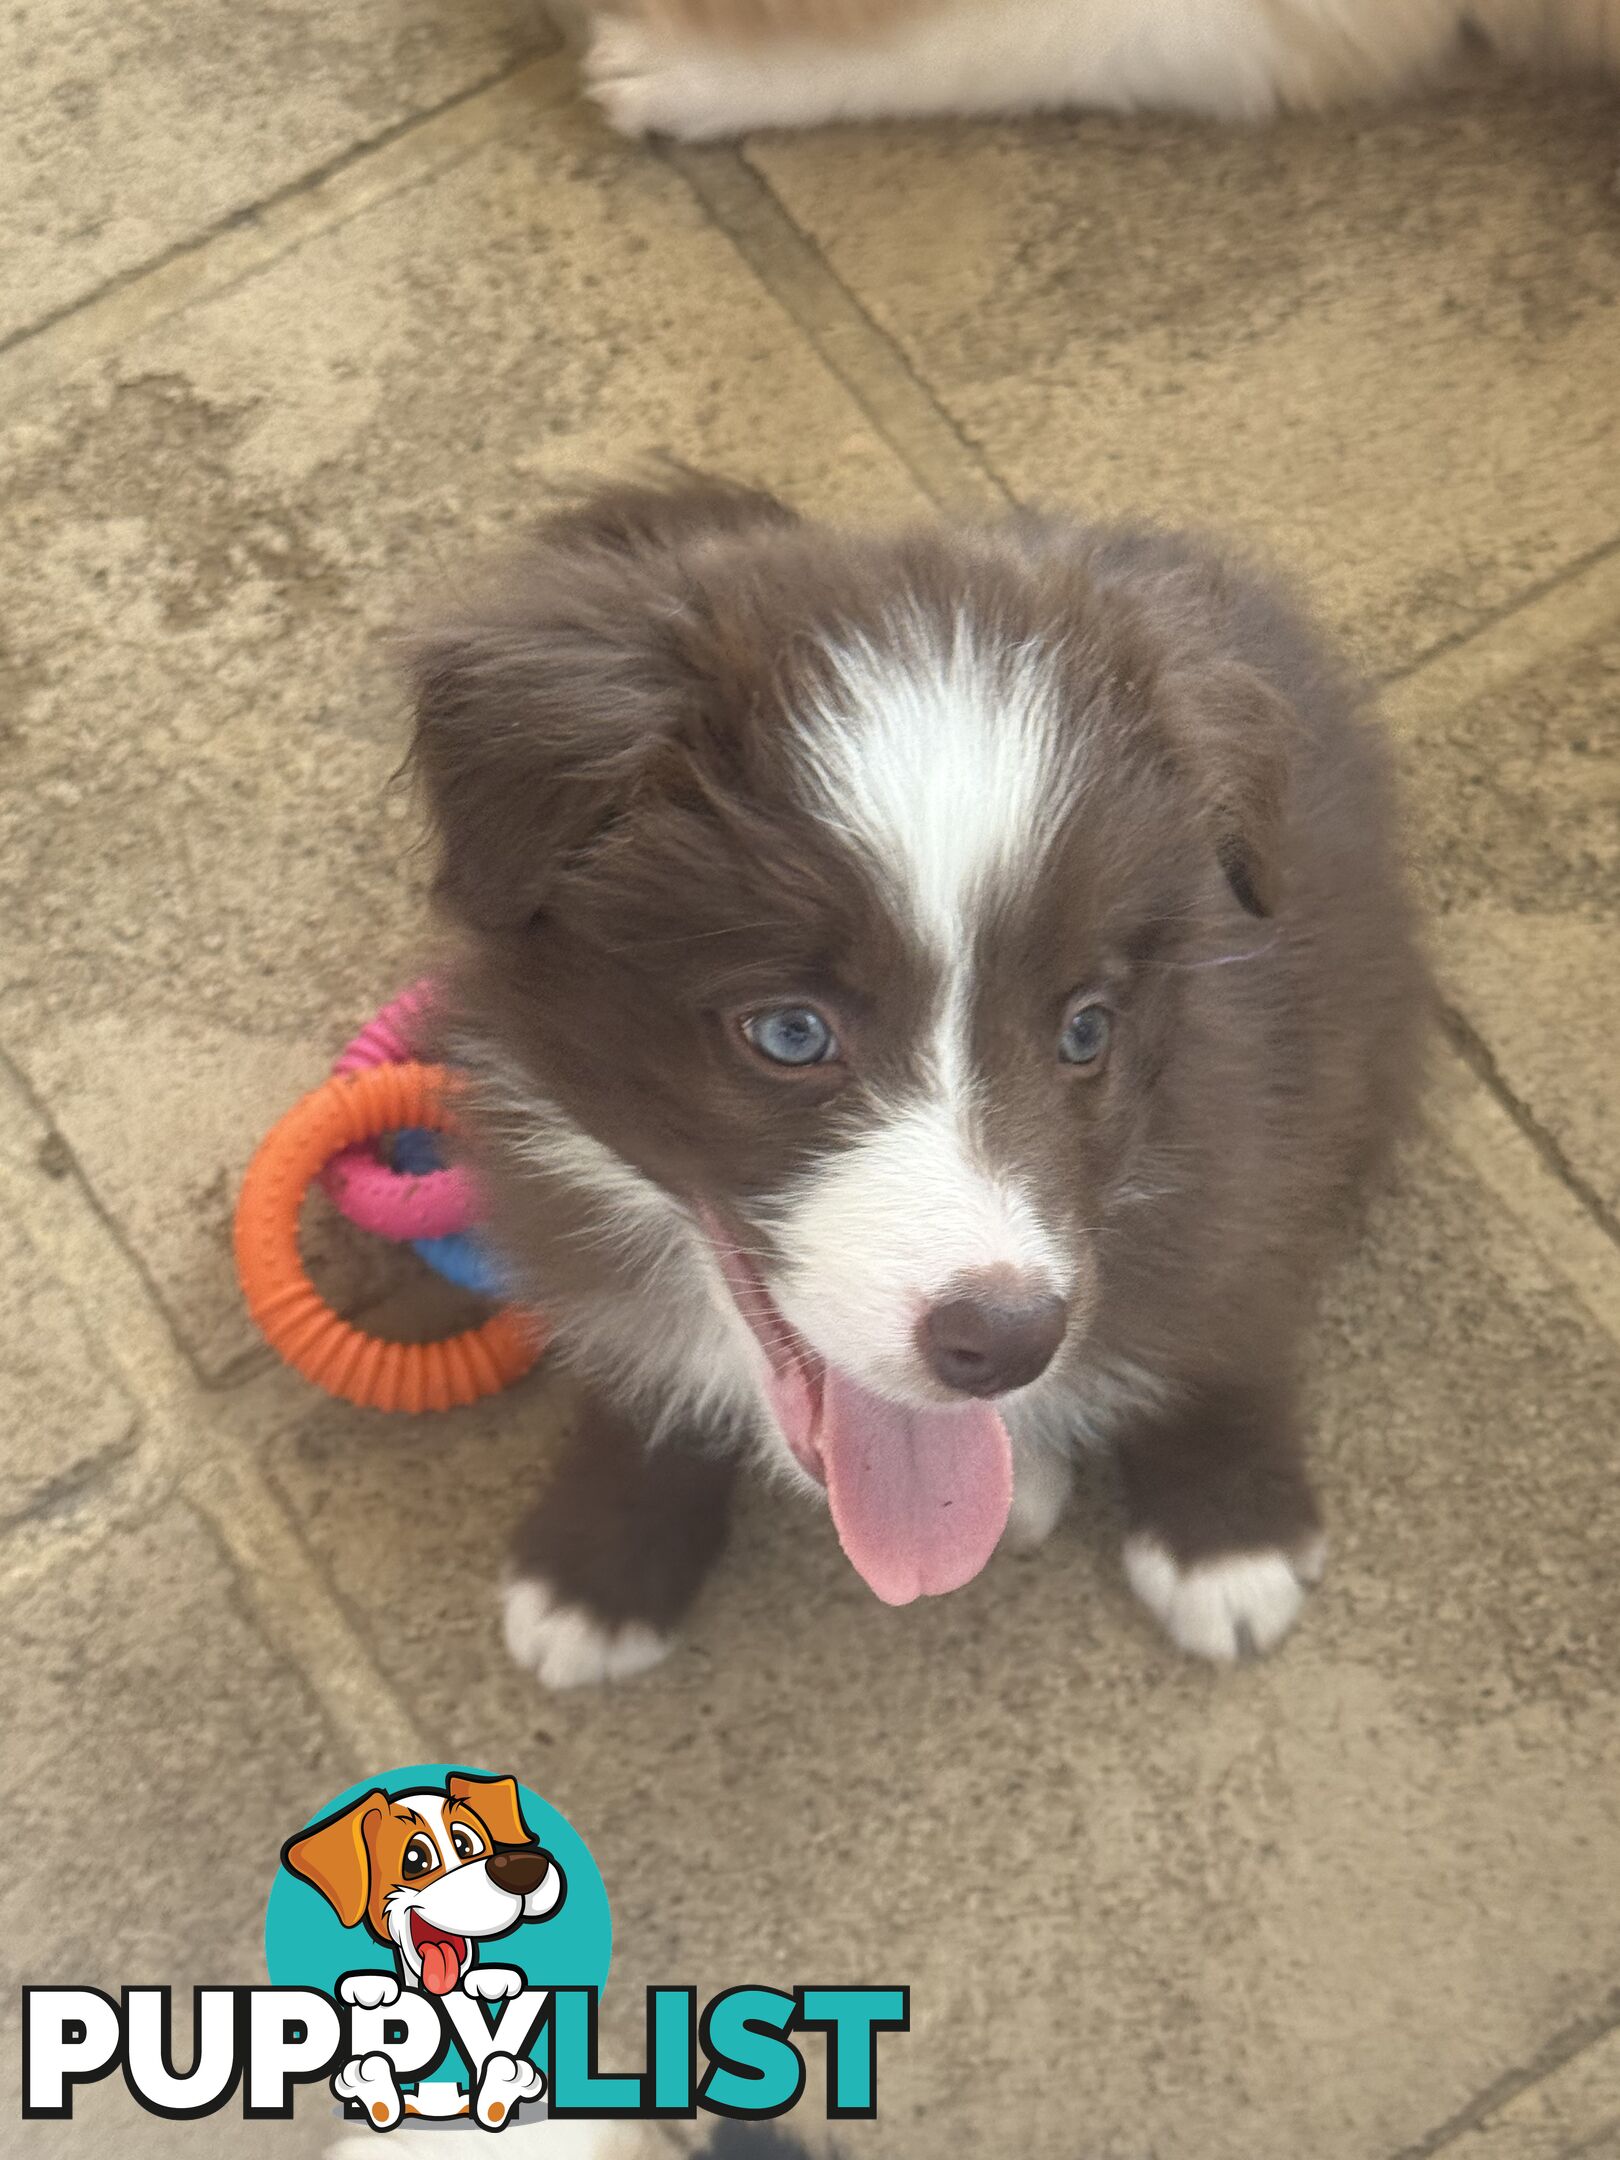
(698,68)
(928,1000)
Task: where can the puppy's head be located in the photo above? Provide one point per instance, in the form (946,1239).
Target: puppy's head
(829,883)
(430,1873)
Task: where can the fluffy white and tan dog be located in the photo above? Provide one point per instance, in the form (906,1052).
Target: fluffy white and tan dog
(703,68)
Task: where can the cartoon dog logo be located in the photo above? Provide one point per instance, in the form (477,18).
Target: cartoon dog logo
(432,1875)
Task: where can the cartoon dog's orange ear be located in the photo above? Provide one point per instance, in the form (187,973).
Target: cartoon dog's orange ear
(496,1802)
(334,1856)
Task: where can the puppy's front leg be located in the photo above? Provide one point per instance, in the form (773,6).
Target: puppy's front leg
(606,1566)
(1224,1534)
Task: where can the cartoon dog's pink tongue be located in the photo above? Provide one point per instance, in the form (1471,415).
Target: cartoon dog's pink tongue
(919,1498)
(442,1955)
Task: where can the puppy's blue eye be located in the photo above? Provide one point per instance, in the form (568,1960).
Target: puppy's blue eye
(1085,1036)
(791,1035)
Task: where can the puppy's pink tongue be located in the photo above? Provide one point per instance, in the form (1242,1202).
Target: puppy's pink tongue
(919,1497)
(440,1967)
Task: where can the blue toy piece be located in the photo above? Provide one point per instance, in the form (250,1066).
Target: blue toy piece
(461,1258)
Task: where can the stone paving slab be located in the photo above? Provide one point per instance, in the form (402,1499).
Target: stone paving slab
(156,1752)
(73,1452)
(131,128)
(207,876)
(1380,344)
(1124,1890)
(1511,755)
(186,1726)
(68,1419)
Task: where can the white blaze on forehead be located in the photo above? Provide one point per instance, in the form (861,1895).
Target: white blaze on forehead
(946,761)
(947,758)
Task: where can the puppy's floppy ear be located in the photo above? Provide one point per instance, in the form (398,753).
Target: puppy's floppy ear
(495,1800)
(1232,734)
(335,1858)
(540,706)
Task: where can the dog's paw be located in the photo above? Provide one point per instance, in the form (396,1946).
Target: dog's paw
(655,82)
(504,2084)
(493,1983)
(368,1990)
(565,1646)
(1236,1606)
(369,2082)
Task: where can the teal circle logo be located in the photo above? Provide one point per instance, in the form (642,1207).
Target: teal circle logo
(429,1871)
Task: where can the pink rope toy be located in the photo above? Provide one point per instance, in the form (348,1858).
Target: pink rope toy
(360,1182)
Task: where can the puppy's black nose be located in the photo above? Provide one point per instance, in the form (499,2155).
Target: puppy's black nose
(988,1341)
(519,1872)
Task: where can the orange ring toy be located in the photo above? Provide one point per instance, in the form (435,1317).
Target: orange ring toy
(296,1320)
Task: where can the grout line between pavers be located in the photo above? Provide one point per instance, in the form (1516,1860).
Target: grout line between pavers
(292,1602)
(1476,1054)
(854,349)
(80,1482)
(253,212)
(1533,596)
(249,240)
(358,1745)
(1482,1128)
(67,1169)
(237,1370)
(1563,2049)
(1506,1145)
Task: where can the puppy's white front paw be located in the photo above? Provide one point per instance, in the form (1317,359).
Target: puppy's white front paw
(1238,1605)
(369,1990)
(370,2083)
(565,1646)
(493,1983)
(504,2084)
